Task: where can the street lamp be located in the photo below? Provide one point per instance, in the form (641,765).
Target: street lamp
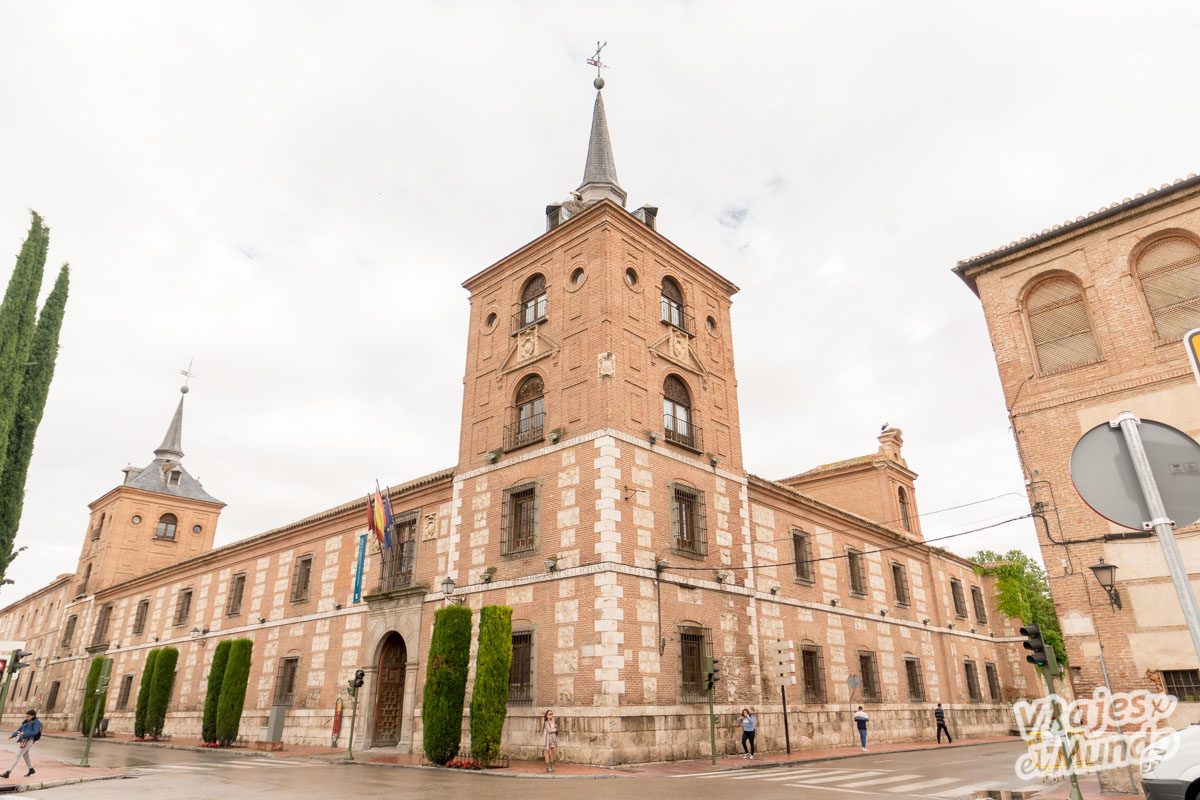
(1106,575)
(448,588)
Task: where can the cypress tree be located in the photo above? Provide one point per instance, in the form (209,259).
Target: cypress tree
(160,690)
(446,683)
(143,698)
(17,320)
(216,674)
(90,697)
(233,691)
(30,404)
(489,698)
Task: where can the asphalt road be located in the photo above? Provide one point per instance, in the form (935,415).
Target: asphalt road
(190,775)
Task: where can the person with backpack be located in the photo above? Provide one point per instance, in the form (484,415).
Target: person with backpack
(940,716)
(749,729)
(860,721)
(26,735)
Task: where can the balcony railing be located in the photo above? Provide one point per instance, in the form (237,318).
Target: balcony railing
(397,567)
(676,317)
(525,432)
(683,432)
(532,312)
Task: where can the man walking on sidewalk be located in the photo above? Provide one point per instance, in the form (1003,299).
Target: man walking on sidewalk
(940,716)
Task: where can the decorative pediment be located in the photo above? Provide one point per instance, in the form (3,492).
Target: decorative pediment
(529,346)
(676,347)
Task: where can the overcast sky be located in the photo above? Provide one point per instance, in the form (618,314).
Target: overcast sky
(292,193)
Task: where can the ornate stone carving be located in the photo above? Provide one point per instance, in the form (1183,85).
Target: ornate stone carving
(679,344)
(429,528)
(527,344)
(606,365)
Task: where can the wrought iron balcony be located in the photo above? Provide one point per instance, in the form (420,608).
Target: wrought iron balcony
(676,317)
(531,313)
(525,432)
(683,432)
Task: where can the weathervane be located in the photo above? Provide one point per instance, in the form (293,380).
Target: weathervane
(598,64)
(187,375)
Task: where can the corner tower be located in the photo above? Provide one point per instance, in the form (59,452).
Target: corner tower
(158,516)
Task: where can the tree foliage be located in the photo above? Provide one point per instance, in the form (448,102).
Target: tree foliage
(90,699)
(216,674)
(446,683)
(160,690)
(489,697)
(233,691)
(17,322)
(143,698)
(1023,593)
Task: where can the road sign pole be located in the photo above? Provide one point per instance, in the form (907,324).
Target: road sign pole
(787,734)
(1163,527)
(712,725)
(353,720)
(98,709)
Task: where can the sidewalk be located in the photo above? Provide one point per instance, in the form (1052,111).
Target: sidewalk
(1089,787)
(50,772)
(184,743)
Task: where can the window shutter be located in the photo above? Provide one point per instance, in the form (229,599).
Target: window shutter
(1058,320)
(1170,273)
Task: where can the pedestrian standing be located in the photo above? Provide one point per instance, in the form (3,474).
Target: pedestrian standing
(26,736)
(749,722)
(860,720)
(550,743)
(940,716)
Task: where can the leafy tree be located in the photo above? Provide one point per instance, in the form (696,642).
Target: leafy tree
(216,674)
(233,691)
(160,690)
(143,698)
(31,402)
(90,699)
(17,321)
(446,683)
(489,698)
(1023,593)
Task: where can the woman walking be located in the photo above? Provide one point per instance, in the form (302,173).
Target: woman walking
(860,720)
(550,744)
(749,728)
(26,736)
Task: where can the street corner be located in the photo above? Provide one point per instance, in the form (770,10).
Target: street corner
(51,773)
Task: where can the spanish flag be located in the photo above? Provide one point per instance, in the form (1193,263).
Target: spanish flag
(380,519)
(372,524)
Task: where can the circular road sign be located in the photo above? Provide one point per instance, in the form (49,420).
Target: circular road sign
(853,682)
(1103,474)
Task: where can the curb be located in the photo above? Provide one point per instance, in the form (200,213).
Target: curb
(232,752)
(491,773)
(37,787)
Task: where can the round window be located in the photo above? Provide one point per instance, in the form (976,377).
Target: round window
(711,324)
(137,519)
(196,529)
(577,276)
(490,322)
(631,276)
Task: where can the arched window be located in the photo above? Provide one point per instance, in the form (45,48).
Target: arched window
(99,527)
(166,527)
(905,519)
(677,412)
(87,577)
(533,302)
(672,304)
(530,412)
(1169,270)
(1059,324)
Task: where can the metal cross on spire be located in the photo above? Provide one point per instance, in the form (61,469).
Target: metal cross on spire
(598,64)
(187,375)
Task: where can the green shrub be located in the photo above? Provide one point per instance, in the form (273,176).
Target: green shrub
(489,698)
(233,691)
(89,694)
(160,690)
(143,698)
(446,683)
(216,674)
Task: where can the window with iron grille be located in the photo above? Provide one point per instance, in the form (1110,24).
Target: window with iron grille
(869,673)
(126,689)
(960,601)
(905,519)
(285,681)
(533,302)
(100,632)
(520,520)
(672,305)
(237,591)
(695,645)
(687,520)
(183,607)
(397,560)
(530,413)
(678,425)
(858,577)
(302,578)
(1183,683)
(1060,326)
(139,617)
(52,698)
(900,583)
(802,555)
(1169,270)
(980,606)
(166,527)
(972,675)
(69,631)
(812,668)
(993,679)
(520,675)
(912,672)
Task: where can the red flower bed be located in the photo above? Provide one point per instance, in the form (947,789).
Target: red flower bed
(464,763)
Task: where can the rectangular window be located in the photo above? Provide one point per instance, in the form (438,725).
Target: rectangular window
(980,606)
(694,649)
(100,632)
(285,681)
(993,679)
(69,631)
(520,520)
(520,675)
(123,697)
(237,591)
(900,583)
(139,617)
(802,555)
(912,672)
(858,577)
(813,671)
(397,560)
(52,698)
(183,607)
(972,675)
(301,578)
(869,672)
(1183,683)
(687,520)
(960,602)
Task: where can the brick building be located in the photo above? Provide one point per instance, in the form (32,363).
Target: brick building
(600,493)
(1086,321)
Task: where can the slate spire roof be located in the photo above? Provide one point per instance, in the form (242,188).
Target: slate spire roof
(172,443)
(600,171)
(165,474)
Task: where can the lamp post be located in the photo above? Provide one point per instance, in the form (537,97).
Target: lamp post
(448,589)
(1106,576)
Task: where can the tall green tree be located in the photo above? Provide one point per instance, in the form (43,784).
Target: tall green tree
(446,683)
(160,690)
(216,675)
(35,387)
(90,699)
(142,706)
(233,691)
(489,697)
(1022,592)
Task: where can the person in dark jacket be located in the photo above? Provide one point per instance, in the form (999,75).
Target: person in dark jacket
(940,716)
(26,736)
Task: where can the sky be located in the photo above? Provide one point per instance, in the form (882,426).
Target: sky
(291,194)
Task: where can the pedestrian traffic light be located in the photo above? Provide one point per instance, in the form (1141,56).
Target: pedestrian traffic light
(1033,642)
(713,672)
(359,675)
(15,664)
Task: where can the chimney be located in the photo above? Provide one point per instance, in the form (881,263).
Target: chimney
(555,216)
(890,443)
(648,215)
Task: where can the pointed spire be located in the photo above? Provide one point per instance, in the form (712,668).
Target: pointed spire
(171,448)
(600,171)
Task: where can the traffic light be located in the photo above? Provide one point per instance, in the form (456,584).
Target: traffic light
(1033,642)
(712,672)
(16,664)
(359,675)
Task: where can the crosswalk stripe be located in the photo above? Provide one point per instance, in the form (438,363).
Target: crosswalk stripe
(876,781)
(787,776)
(913,787)
(756,774)
(967,791)
(831,778)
